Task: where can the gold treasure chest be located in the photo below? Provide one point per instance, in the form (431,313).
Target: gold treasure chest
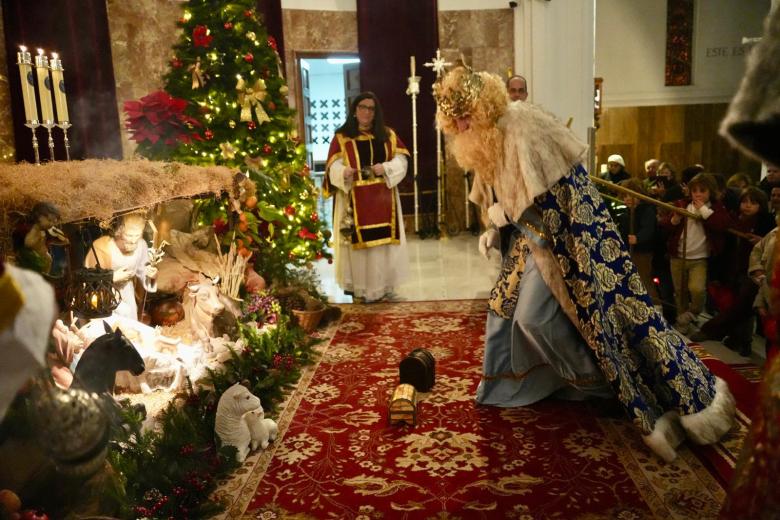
(403,405)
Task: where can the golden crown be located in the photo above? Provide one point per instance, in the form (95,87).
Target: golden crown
(461,98)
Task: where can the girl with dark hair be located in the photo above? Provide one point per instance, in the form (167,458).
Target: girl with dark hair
(366,161)
(734,296)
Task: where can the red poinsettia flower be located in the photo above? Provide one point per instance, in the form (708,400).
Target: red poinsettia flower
(201,37)
(160,117)
(305,233)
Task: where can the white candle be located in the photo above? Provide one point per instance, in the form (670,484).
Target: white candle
(24,61)
(411,64)
(44,87)
(58,85)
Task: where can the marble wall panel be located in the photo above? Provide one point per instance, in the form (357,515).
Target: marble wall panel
(7,150)
(486,39)
(142,35)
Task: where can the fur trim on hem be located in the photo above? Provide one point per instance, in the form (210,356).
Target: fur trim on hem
(667,435)
(711,423)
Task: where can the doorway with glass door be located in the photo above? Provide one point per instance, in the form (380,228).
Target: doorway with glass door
(328,85)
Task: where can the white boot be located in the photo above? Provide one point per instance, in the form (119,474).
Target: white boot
(666,436)
(710,424)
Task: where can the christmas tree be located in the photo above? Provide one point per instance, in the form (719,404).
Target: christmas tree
(225,102)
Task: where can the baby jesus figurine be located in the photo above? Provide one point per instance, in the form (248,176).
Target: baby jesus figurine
(126,253)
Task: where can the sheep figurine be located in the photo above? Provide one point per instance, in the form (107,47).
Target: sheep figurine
(261,430)
(231,425)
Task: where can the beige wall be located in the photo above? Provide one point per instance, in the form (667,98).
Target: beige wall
(486,39)
(631,50)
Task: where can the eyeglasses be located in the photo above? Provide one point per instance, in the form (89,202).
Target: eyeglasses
(368,108)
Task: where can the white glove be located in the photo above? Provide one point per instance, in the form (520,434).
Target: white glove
(497,216)
(487,241)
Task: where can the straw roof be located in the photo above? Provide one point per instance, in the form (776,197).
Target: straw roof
(102,188)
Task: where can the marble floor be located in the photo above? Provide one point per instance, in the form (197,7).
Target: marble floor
(452,269)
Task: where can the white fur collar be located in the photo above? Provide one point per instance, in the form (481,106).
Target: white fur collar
(538,151)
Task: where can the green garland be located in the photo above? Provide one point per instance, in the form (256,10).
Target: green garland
(172,471)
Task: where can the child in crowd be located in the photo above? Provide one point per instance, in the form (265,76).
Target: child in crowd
(762,262)
(691,242)
(735,295)
(638,226)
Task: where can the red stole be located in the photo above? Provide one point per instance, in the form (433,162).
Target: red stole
(373,203)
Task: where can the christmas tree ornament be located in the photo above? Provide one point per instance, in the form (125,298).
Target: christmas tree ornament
(249,13)
(228,151)
(228,26)
(10,501)
(232,124)
(72,428)
(272,43)
(283,90)
(201,36)
(251,125)
(250,98)
(248,57)
(271,106)
(208,134)
(267,149)
(251,36)
(198,76)
(255,163)
(176,63)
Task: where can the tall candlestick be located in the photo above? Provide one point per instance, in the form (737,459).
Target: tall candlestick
(24,61)
(44,87)
(44,94)
(58,84)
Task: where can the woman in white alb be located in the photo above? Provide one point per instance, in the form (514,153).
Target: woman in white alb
(370,243)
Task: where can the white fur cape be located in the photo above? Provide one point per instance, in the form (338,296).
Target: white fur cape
(538,151)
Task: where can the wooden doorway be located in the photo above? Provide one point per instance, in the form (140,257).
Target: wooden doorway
(326,81)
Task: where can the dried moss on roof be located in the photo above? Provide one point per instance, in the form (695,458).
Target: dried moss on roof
(101,188)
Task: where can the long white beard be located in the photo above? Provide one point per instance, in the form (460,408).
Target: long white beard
(479,150)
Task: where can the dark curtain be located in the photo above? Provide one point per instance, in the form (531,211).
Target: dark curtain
(78,32)
(389,32)
(272,19)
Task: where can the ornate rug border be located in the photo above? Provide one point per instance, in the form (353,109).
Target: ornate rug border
(239,489)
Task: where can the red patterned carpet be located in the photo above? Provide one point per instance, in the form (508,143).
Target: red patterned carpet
(337,457)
